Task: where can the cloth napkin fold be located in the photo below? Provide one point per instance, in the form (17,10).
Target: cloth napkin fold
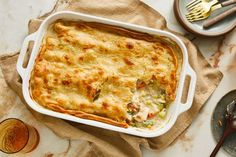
(104,142)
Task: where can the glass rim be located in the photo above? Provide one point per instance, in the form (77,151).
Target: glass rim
(7,119)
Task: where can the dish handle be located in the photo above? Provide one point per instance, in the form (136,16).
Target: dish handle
(191,90)
(19,66)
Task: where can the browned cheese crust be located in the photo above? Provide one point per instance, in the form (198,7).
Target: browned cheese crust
(90,70)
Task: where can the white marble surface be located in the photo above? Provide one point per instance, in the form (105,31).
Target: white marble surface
(197,141)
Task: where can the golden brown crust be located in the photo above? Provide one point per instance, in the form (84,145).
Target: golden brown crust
(90,70)
(84,115)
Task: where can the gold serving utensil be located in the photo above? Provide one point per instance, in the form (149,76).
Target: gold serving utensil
(203,5)
(194,3)
(203,10)
(191,17)
(218,18)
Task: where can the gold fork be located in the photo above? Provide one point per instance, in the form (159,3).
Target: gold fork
(202,7)
(200,15)
(193,3)
(204,12)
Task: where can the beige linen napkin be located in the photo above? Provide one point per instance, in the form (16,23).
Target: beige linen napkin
(104,142)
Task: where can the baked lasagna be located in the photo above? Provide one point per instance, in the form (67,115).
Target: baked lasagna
(106,73)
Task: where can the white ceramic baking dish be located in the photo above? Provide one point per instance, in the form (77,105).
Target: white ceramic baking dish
(175,109)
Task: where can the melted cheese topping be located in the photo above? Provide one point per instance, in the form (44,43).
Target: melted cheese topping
(92,69)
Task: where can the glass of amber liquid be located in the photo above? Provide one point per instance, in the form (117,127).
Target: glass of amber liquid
(16,136)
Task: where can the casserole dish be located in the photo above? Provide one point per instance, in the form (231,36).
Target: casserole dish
(175,108)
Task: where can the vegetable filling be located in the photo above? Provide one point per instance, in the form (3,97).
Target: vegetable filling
(148,107)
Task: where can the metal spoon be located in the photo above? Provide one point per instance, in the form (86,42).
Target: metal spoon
(230,126)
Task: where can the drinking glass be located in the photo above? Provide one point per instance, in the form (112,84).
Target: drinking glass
(17,136)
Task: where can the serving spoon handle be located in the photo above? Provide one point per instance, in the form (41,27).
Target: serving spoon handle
(226,133)
(218,18)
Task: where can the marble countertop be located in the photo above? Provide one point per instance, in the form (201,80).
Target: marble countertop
(198,139)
